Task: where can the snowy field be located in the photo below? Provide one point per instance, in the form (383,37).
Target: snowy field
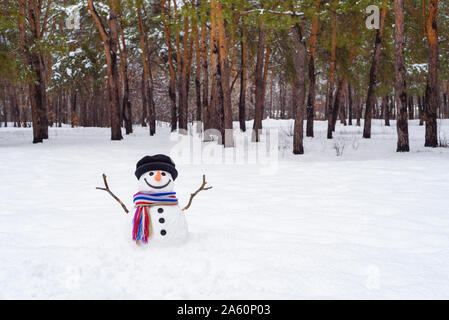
(370,223)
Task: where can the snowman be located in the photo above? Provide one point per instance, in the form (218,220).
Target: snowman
(158,217)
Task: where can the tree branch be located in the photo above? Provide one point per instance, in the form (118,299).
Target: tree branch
(113,195)
(97,19)
(203,187)
(44,23)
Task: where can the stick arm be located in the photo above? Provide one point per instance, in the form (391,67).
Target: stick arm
(110,192)
(202,187)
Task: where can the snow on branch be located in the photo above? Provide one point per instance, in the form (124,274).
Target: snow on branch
(262,11)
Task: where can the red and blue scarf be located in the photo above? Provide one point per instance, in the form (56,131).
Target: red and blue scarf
(143,201)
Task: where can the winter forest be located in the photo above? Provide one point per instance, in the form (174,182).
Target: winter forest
(339,107)
(122,63)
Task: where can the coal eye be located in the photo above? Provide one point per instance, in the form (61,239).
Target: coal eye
(163,173)
(151,173)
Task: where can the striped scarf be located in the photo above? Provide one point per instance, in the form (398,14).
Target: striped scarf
(143,201)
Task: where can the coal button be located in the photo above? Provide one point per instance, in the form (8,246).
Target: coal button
(160,210)
(161,220)
(163,232)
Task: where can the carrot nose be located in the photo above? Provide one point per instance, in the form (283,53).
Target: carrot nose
(158,176)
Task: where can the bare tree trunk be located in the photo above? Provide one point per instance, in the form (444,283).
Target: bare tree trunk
(260,90)
(337,102)
(331,76)
(300,89)
(446,105)
(283,98)
(14,105)
(358,111)
(145,67)
(215,110)
(383,107)
(110,48)
(271,96)
(126,103)
(5,107)
(83,108)
(411,108)
(199,102)
(393,108)
(183,91)
(38,63)
(351,104)
(342,113)
(148,85)
(399,70)
(312,77)
(63,108)
(73,114)
(151,107)
(217,114)
(30,11)
(243,78)
(172,84)
(228,139)
(205,81)
(370,100)
(387,111)
(25,112)
(326,103)
(144,100)
(292,100)
(265,77)
(184,62)
(432,95)
(421,110)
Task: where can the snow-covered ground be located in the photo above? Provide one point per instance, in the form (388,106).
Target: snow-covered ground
(370,223)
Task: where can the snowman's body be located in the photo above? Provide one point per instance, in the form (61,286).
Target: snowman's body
(167,222)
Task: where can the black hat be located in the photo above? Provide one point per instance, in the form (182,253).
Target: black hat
(156,162)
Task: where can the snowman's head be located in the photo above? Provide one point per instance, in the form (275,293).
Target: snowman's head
(156,181)
(156,173)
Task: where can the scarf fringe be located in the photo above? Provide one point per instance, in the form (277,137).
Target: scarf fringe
(141,228)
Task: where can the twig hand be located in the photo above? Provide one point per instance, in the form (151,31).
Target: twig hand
(113,195)
(203,187)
